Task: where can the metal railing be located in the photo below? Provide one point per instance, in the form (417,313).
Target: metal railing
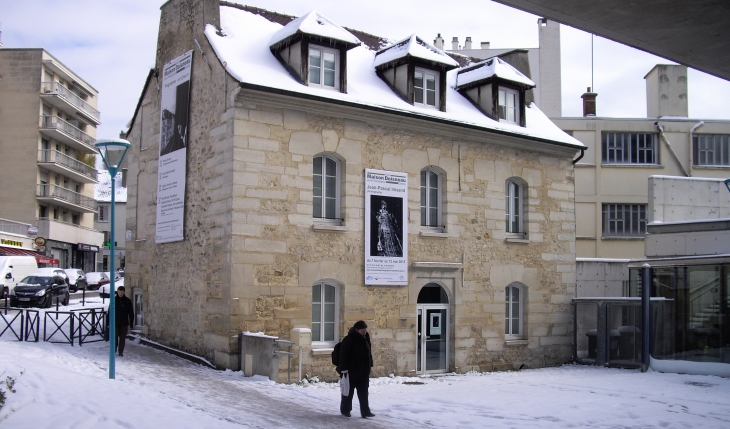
(54,122)
(57,192)
(13,227)
(60,158)
(56,88)
(288,354)
(67,223)
(87,325)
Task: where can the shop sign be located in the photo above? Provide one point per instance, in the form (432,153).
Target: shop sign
(32,230)
(87,247)
(40,241)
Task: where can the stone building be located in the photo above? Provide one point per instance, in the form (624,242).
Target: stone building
(276,220)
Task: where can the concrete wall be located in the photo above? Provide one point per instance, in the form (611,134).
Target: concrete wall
(252,251)
(677,199)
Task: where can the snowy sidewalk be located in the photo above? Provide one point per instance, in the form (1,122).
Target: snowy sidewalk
(66,387)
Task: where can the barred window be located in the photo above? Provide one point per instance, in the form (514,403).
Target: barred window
(628,148)
(624,220)
(711,149)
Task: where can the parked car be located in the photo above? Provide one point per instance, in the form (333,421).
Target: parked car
(117,275)
(104,289)
(40,290)
(76,279)
(96,279)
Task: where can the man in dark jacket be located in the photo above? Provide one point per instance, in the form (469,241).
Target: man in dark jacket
(356,359)
(124,315)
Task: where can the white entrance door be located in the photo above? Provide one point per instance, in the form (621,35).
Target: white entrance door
(433,338)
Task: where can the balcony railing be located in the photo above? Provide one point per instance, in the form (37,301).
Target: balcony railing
(13,227)
(56,123)
(55,88)
(57,157)
(67,195)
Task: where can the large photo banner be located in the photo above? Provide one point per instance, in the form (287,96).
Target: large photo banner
(173,149)
(386,228)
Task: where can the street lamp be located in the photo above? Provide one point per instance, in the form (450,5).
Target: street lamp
(112,153)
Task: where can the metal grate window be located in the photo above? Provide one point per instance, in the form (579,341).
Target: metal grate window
(628,148)
(624,220)
(711,149)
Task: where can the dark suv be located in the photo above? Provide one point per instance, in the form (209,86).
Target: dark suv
(40,290)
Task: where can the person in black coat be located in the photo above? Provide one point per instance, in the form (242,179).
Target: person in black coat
(356,359)
(124,318)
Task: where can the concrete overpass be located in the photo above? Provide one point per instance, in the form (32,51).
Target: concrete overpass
(694,33)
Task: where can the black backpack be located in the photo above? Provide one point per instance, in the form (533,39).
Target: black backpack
(336,354)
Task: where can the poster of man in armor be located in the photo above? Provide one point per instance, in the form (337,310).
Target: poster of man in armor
(388,236)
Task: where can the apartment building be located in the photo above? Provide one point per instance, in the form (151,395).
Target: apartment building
(48,119)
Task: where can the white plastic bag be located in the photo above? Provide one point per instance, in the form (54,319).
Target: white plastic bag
(345,385)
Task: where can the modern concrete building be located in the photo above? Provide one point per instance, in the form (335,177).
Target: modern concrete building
(48,120)
(102,220)
(622,153)
(542,64)
(261,211)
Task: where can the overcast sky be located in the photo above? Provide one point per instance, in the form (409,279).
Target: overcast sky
(111,45)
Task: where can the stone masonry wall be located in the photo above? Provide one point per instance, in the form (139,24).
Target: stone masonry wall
(251,253)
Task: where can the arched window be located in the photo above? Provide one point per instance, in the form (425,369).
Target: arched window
(431,186)
(324,312)
(513,302)
(326,189)
(515,193)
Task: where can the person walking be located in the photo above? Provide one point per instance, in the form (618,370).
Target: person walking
(124,315)
(356,359)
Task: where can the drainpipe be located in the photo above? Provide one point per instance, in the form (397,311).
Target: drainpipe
(582,152)
(669,146)
(691,148)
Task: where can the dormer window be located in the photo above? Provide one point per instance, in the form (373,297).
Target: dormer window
(509,105)
(416,71)
(323,70)
(314,50)
(425,87)
(496,88)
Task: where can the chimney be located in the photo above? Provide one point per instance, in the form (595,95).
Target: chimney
(467,44)
(485,45)
(589,103)
(438,42)
(455,44)
(666,91)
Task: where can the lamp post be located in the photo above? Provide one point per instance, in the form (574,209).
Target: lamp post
(112,153)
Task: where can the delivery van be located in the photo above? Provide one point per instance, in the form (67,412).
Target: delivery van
(14,269)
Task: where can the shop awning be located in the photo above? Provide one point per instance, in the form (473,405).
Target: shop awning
(14,251)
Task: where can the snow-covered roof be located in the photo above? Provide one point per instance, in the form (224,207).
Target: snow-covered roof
(316,24)
(244,49)
(491,67)
(412,46)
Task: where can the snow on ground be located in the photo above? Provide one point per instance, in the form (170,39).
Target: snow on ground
(68,387)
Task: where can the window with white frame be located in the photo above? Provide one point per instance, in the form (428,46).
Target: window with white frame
(431,185)
(508,102)
(323,67)
(326,189)
(628,148)
(425,87)
(324,313)
(624,220)
(514,212)
(513,300)
(711,150)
